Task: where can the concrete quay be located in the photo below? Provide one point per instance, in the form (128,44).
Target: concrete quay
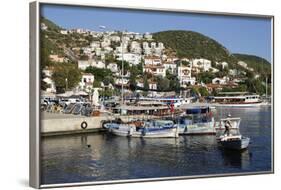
(53,124)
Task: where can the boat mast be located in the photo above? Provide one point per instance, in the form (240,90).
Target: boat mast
(180,79)
(266,87)
(122,71)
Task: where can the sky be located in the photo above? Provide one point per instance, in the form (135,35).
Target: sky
(238,34)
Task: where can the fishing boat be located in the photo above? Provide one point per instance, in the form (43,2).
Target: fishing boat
(149,129)
(196,121)
(234,142)
(237,99)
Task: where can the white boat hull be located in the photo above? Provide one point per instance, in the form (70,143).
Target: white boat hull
(244,105)
(197,129)
(235,143)
(128,132)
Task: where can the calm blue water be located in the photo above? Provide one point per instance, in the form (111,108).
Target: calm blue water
(67,159)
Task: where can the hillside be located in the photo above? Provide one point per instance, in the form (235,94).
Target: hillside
(51,25)
(259,64)
(193,45)
(53,42)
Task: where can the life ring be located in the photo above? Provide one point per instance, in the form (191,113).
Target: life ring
(84,125)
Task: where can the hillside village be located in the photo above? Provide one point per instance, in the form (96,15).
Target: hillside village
(80,60)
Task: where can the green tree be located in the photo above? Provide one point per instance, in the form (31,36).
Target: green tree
(66,76)
(99,73)
(203,91)
(96,84)
(163,84)
(44,58)
(133,83)
(109,58)
(205,77)
(174,84)
(125,64)
(145,83)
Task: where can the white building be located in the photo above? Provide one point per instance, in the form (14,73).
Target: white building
(48,79)
(135,47)
(98,64)
(83,64)
(152,60)
(138,36)
(243,64)
(223,80)
(119,81)
(204,64)
(95,44)
(98,51)
(135,44)
(223,64)
(108,49)
(131,58)
(157,51)
(171,67)
(87,51)
(106,42)
(171,58)
(148,36)
(145,45)
(147,51)
(81,30)
(43,26)
(156,70)
(233,72)
(184,75)
(87,81)
(153,45)
(161,45)
(113,67)
(64,32)
(152,85)
(118,49)
(115,38)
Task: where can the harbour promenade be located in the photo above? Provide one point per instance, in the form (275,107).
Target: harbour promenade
(53,124)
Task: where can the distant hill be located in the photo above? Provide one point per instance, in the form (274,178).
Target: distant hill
(53,42)
(193,45)
(51,25)
(259,64)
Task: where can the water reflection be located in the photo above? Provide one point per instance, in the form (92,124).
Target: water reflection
(239,159)
(96,157)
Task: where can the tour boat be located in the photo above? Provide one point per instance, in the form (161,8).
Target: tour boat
(176,101)
(237,99)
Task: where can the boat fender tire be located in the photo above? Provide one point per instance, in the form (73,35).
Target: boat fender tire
(84,125)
